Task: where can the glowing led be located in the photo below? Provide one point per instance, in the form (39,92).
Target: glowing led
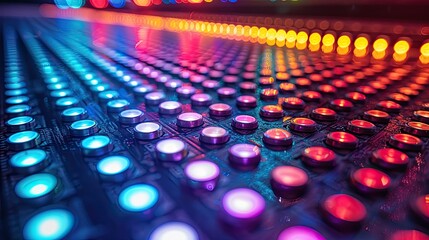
(301,37)
(424,50)
(243,203)
(36,185)
(315,38)
(174,230)
(291,36)
(380,45)
(344,41)
(202,170)
(361,43)
(28,158)
(138,198)
(328,39)
(50,224)
(401,47)
(113,165)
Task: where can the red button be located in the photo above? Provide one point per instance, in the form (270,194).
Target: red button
(389,106)
(277,137)
(293,103)
(316,77)
(303,82)
(343,211)
(338,83)
(421,207)
(409,235)
(376,116)
(406,142)
(288,181)
(341,105)
(269,94)
(356,97)
(311,96)
(287,87)
(326,88)
(399,98)
(323,114)
(377,85)
(318,157)
(417,128)
(271,111)
(370,180)
(341,140)
(408,91)
(366,90)
(303,125)
(422,116)
(361,127)
(390,158)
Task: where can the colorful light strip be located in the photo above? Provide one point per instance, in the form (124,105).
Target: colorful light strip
(361,45)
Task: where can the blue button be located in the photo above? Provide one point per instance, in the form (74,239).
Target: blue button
(53,80)
(50,224)
(20,123)
(16,92)
(108,95)
(83,128)
(113,165)
(117,105)
(61,93)
(96,145)
(37,185)
(66,102)
(17,100)
(58,86)
(74,114)
(92,82)
(18,109)
(23,140)
(14,85)
(29,161)
(139,197)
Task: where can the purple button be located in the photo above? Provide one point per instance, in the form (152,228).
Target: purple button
(210,84)
(163,79)
(220,110)
(300,233)
(170,108)
(246,101)
(202,174)
(243,207)
(214,135)
(190,120)
(201,99)
(244,122)
(197,79)
(173,84)
(186,91)
(244,155)
(226,92)
(171,150)
(155,98)
(247,87)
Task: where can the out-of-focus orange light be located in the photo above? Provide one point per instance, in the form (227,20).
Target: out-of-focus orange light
(359,52)
(378,54)
(343,50)
(302,37)
(327,49)
(401,47)
(195,1)
(315,38)
(142,3)
(208,0)
(344,41)
(424,49)
(291,36)
(380,45)
(361,43)
(399,57)
(424,59)
(328,40)
(271,34)
(246,31)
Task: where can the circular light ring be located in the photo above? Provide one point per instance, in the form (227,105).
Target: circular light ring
(74,114)
(50,224)
(20,123)
(29,161)
(96,145)
(138,197)
(23,140)
(113,165)
(35,186)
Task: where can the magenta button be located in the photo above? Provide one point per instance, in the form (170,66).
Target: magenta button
(201,99)
(190,120)
(244,155)
(300,233)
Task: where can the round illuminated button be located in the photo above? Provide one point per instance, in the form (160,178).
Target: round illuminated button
(338,83)
(370,180)
(18,110)
(147,131)
(341,105)
(214,135)
(170,108)
(57,86)
(83,128)
(247,87)
(173,84)
(185,91)
(323,114)
(15,85)
(406,142)
(244,155)
(356,97)
(17,100)
(408,235)
(389,106)
(361,127)
(277,137)
(269,94)
(114,168)
(189,120)
(108,95)
(201,99)
(131,116)
(101,87)
(390,158)
(22,123)
(226,92)
(61,93)
(302,82)
(289,182)
(36,186)
(318,157)
(341,140)
(142,90)
(300,233)
(420,206)
(302,125)
(311,96)
(66,102)
(417,128)
(243,207)
(376,116)
(171,150)
(138,198)
(220,110)
(96,145)
(202,174)
(246,101)
(155,98)
(29,161)
(16,92)
(286,87)
(210,85)
(74,114)
(174,230)
(422,116)
(271,111)
(117,105)
(293,103)
(343,211)
(366,90)
(399,98)
(23,140)
(244,122)
(50,224)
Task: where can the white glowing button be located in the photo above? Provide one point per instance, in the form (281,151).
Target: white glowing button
(243,203)
(113,165)
(147,127)
(202,171)
(191,116)
(170,105)
(174,231)
(170,146)
(245,150)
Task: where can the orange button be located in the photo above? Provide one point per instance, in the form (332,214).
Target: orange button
(303,125)
(323,114)
(341,105)
(356,97)
(341,140)
(376,116)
